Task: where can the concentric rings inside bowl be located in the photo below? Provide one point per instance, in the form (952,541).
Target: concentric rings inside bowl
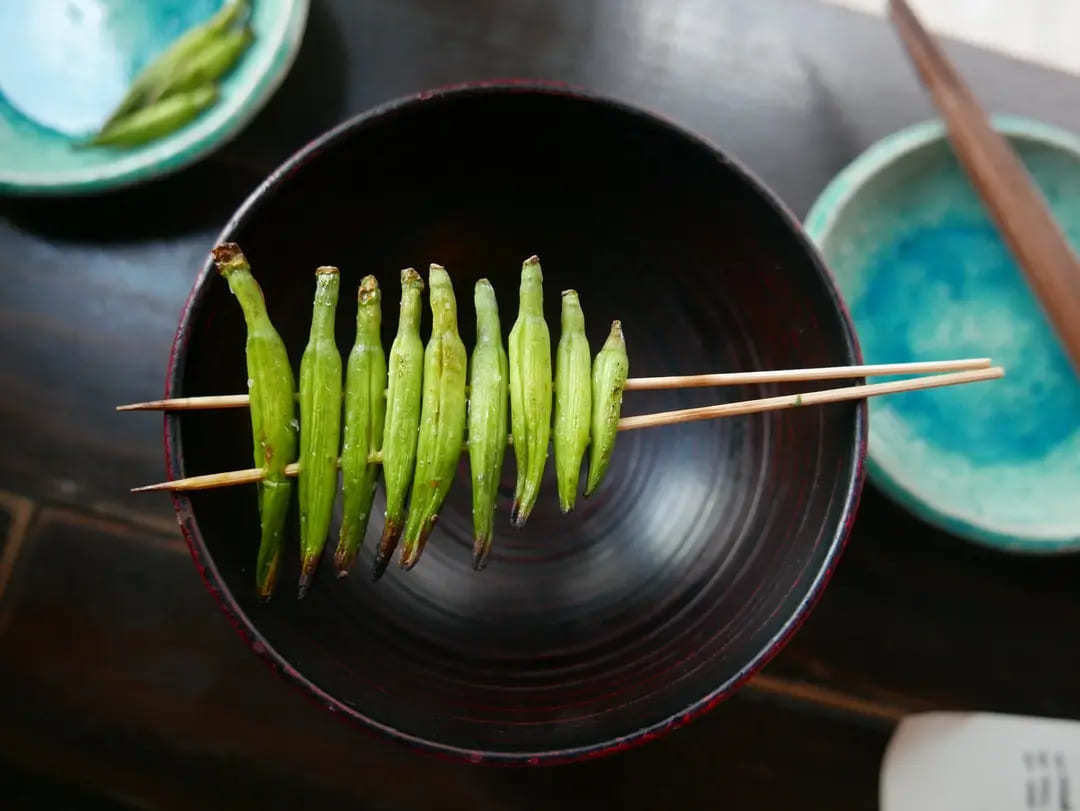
(708,541)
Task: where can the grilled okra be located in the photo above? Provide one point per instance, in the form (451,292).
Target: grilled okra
(406,374)
(320,425)
(530,390)
(158,119)
(151,82)
(365,411)
(489,377)
(609,376)
(272,408)
(442,417)
(206,66)
(573,400)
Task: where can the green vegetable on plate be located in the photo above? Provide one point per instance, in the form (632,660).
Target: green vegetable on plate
(159,119)
(181,82)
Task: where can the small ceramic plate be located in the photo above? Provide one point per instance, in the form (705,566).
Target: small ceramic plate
(64,65)
(927,277)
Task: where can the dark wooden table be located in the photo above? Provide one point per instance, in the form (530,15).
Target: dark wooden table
(121,684)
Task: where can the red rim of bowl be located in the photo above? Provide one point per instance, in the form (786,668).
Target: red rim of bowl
(248,630)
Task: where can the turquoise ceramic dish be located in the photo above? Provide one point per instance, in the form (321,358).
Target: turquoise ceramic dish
(64,64)
(927,277)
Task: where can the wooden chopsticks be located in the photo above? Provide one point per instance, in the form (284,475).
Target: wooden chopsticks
(956,372)
(1015,203)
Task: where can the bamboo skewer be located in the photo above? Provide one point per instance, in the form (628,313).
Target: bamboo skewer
(645,383)
(837,395)
(803,375)
(810,398)
(190,403)
(209,481)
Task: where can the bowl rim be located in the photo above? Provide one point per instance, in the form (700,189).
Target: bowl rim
(248,630)
(820,221)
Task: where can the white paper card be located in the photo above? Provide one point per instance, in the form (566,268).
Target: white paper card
(982,762)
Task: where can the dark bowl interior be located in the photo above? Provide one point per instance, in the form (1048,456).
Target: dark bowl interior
(708,541)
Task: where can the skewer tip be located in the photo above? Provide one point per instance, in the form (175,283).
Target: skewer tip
(150,488)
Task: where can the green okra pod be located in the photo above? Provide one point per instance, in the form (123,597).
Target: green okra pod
(489,381)
(442,417)
(148,84)
(158,119)
(609,376)
(530,390)
(573,400)
(320,424)
(206,66)
(365,411)
(406,375)
(272,409)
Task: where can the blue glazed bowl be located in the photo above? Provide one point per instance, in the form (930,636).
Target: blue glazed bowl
(927,277)
(64,64)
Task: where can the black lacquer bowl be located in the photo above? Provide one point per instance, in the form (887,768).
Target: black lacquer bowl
(708,542)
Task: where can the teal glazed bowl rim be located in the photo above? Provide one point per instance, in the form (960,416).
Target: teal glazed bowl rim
(189,144)
(819,223)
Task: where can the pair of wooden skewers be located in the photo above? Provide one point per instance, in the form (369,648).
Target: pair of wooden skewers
(937,373)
